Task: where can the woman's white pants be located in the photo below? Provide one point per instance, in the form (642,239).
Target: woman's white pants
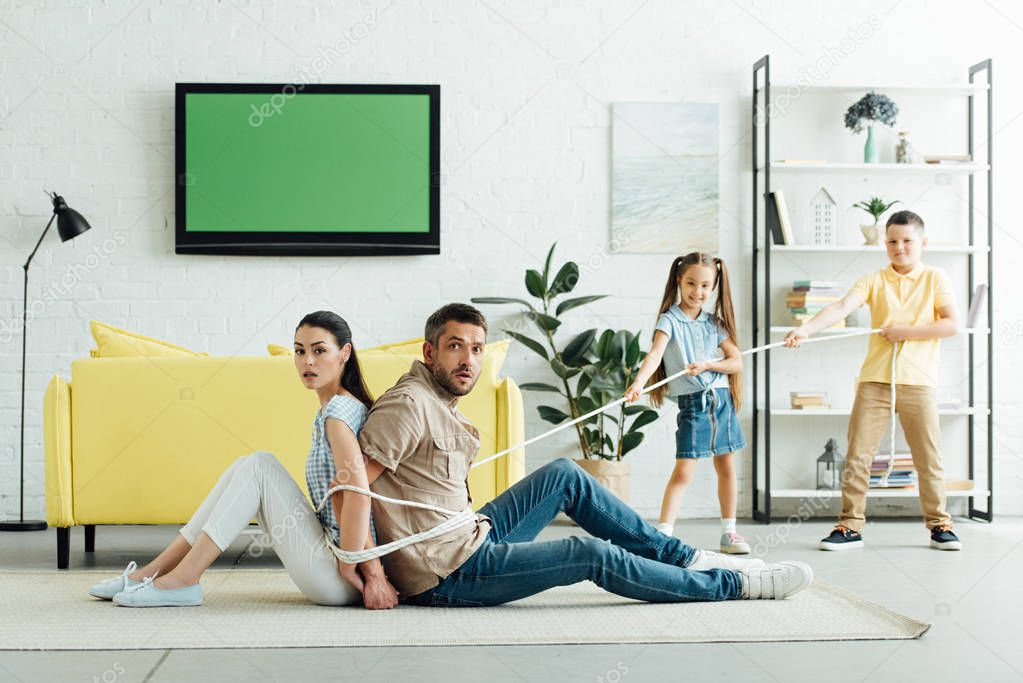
(257,486)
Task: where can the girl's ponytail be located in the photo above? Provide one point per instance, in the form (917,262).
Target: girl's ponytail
(668,300)
(725,315)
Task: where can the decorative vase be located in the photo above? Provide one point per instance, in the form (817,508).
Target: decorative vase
(871,234)
(871,154)
(904,150)
(611,474)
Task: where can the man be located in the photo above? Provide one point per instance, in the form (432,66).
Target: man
(419,447)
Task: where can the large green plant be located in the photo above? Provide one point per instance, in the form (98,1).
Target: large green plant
(592,370)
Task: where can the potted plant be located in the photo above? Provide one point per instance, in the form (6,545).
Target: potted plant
(870,109)
(591,370)
(875,206)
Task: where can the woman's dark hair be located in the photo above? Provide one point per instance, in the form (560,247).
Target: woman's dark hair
(351,378)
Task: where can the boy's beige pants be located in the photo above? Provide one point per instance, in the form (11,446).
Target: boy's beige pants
(918,414)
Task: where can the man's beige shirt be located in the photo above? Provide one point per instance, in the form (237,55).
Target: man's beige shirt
(426,445)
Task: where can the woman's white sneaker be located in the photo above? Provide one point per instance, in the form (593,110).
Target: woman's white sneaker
(708,559)
(775,581)
(107,589)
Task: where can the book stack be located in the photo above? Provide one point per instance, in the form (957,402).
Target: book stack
(903,475)
(809,400)
(948,159)
(809,297)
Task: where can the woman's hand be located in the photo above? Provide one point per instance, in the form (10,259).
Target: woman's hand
(350,573)
(795,338)
(633,392)
(378,593)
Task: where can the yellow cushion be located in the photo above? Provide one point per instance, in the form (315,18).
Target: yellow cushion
(279,350)
(113,342)
(409,346)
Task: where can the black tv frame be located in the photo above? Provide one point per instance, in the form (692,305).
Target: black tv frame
(306,243)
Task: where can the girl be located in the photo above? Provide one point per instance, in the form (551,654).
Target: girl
(689,338)
(257,485)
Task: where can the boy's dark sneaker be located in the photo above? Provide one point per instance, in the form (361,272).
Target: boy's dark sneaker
(841,539)
(942,538)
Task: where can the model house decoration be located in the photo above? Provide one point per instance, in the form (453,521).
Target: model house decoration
(823,218)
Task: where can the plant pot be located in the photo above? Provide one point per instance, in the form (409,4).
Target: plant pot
(871,234)
(611,474)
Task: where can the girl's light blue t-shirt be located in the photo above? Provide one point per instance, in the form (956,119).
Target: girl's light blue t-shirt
(690,341)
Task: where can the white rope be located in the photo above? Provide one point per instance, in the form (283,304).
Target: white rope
(891,433)
(459,517)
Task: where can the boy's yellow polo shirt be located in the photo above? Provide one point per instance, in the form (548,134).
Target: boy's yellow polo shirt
(897,299)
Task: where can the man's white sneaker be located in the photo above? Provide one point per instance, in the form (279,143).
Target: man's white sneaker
(708,559)
(775,581)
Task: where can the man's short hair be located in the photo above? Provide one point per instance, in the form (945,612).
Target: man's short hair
(905,218)
(460,313)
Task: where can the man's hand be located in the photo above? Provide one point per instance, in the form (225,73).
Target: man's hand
(378,593)
(795,338)
(895,333)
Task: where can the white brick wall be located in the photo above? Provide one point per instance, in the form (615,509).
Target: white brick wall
(86,108)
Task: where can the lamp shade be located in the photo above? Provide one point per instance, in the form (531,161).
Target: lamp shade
(70,223)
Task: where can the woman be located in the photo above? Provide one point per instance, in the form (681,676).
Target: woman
(257,485)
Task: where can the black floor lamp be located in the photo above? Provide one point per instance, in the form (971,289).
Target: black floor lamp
(70,224)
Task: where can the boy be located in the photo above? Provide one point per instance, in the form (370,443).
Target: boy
(913,304)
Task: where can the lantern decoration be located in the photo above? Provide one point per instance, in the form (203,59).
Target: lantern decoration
(829,468)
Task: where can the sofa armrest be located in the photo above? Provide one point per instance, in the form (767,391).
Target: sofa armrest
(511,430)
(57,442)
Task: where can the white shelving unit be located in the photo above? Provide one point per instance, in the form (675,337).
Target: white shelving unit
(849,330)
(762,167)
(873,169)
(873,493)
(856,248)
(812,412)
(966,89)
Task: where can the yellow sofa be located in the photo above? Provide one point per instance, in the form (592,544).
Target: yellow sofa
(142,440)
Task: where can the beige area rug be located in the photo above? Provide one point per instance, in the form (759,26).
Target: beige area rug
(262,608)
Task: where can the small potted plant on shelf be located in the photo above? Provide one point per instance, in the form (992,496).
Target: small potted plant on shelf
(872,108)
(875,206)
(591,370)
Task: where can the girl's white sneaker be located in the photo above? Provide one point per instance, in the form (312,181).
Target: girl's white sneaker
(734,544)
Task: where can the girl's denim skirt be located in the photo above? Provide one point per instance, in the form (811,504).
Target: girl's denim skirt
(707,425)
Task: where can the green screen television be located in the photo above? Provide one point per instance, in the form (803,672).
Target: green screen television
(307,170)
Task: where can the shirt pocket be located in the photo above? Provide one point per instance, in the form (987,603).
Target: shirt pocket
(450,456)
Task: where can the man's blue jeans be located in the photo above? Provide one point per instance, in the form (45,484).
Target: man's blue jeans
(624,554)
